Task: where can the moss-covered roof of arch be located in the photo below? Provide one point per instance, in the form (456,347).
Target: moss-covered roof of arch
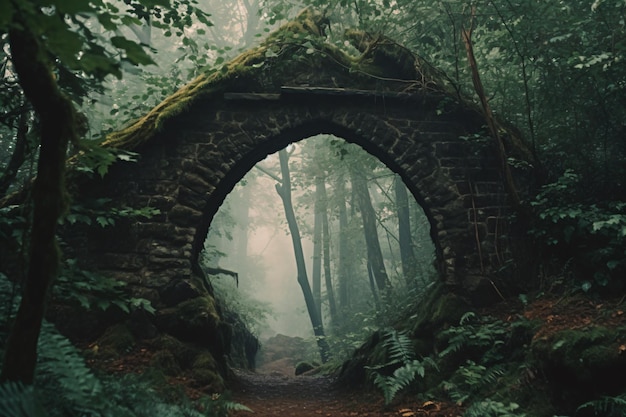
(295,54)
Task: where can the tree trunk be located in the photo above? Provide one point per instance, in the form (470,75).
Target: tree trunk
(316,274)
(328,282)
(284,191)
(407,256)
(343,275)
(368,216)
(373,286)
(509,184)
(56,115)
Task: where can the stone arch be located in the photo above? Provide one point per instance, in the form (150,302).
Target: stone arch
(189,167)
(198,143)
(431,198)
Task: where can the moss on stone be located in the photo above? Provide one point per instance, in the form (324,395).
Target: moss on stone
(305,366)
(115,341)
(198,312)
(440,308)
(285,52)
(166,362)
(582,363)
(205,372)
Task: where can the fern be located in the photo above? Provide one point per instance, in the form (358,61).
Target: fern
(401,378)
(490,408)
(474,332)
(64,374)
(17,400)
(470,379)
(399,349)
(220,405)
(606,406)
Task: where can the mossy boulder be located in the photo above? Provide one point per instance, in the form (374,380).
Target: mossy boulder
(304,366)
(205,371)
(176,358)
(581,364)
(166,362)
(195,320)
(114,342)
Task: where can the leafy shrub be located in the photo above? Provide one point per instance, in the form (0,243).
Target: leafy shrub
(91,290)
(591,234)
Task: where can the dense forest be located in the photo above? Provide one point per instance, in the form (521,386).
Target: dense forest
(319,241)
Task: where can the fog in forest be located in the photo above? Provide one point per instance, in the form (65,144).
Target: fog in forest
(249,235)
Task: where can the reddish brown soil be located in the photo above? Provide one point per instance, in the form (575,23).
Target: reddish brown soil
(276,394)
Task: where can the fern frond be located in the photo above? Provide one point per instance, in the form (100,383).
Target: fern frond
(490,408)
(61,364)
(467,317)
(17,400)
(492,375)
(399,346)
(607,406)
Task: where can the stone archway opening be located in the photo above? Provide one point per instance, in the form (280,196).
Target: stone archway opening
(248,235)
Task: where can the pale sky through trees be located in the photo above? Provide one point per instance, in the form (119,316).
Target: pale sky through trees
(268,273)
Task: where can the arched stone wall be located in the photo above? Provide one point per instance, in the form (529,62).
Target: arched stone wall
(189,167)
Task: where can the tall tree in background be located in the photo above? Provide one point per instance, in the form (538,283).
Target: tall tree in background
(284,191)
(328,281)
(343,270)
(374,254)
(407,256)
(316,273)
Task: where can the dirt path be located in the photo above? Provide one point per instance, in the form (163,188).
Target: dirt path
(276,394)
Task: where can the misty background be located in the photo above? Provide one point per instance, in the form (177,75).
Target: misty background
(249,235)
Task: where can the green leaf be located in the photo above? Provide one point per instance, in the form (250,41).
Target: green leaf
(134,52)
(6,13)
(74,6)
(612,264)
(104,221)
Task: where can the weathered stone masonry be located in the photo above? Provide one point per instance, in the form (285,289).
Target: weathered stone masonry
(195,161)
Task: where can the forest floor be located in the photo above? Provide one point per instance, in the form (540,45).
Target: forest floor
(277,394)
(274,390)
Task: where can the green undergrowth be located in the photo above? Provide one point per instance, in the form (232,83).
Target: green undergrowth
(66,386)
(494,367)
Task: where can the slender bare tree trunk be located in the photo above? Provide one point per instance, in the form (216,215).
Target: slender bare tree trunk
(407,256)
(316,273)
(328,282)
(368,216)
(284,191)
(343,276)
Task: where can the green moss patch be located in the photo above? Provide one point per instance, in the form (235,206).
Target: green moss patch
(581,364)
(297,48)
(115,341)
